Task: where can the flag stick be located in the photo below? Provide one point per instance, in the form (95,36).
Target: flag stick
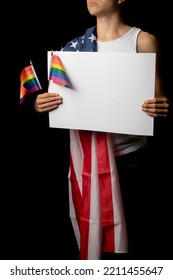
(35,74)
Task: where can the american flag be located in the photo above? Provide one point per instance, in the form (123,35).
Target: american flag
(96,208)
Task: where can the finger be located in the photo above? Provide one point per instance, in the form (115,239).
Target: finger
(156,101)
(156,106)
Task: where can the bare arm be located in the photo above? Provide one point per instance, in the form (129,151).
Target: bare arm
(158,106)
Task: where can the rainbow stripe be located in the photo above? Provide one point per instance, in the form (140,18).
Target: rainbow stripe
(28,82)
(57,72)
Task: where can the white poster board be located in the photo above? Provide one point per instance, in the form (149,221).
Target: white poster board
(108,91)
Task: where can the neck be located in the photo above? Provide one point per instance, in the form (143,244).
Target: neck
(111,28)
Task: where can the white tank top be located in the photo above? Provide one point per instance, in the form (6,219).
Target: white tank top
(123,143)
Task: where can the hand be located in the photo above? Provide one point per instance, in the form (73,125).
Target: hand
(47,102)
(156,107)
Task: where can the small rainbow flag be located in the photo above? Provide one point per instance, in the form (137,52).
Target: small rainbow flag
(28,82)
(57,72)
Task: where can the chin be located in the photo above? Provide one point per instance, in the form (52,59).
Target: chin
(93,11)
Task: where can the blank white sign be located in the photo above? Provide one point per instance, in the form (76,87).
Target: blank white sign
(108,91)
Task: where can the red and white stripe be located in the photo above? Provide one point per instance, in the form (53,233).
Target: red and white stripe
(96,208)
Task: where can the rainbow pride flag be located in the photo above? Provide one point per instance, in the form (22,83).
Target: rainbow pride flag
(57,72)
(29,82)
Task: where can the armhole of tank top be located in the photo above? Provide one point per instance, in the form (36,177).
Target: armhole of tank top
(137,38)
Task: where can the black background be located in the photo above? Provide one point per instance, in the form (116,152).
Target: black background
(34,188)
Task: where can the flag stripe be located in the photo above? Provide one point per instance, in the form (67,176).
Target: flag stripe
(31,83)
(61,81)
(85,139)
(57,66)
(28,76)
(75,183)
(77,198)
(105,185)
(59,73)
(120,230)
(95,232)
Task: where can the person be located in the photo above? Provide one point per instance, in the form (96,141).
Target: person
(111,34)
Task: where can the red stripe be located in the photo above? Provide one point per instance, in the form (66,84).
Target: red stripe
(76,195)
(105,185)
(86,142)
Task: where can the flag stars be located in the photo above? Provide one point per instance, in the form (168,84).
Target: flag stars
(82,39)
(74,44)
(92,38)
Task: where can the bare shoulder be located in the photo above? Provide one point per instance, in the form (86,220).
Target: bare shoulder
(147,42)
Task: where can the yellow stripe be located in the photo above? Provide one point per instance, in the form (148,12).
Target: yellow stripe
(57,66)
(27,78)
